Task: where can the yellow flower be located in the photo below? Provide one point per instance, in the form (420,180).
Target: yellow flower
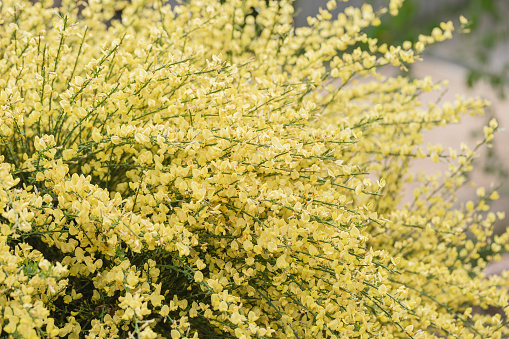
(212,160)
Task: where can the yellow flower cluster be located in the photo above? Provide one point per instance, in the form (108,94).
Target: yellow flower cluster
(206,170)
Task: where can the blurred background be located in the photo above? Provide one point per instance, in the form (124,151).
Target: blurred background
(483,53)
(475,64)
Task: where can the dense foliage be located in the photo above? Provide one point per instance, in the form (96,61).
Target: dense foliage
(208,171)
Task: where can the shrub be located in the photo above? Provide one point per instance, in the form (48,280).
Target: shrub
(208,171)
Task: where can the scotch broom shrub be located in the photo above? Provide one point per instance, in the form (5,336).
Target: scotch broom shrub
(207,171)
